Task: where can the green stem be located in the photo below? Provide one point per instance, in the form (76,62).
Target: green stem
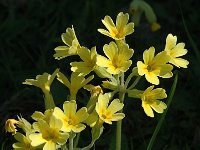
(135,82)
(128,79)
(71,141)
(48,100)
(119,123)
(77,140)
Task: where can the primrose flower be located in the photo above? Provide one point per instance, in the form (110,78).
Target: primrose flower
(23,142)
(43,81)
(25,125)
(154,66)
(109,113)
(77,82)
(121,29)
(175,51)
(72,45)
(118,58)
(150,100)
(70,118)
(49,134)
(10,126)
(89,61)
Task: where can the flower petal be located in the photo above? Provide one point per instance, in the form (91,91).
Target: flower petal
(147,109)
(115,106)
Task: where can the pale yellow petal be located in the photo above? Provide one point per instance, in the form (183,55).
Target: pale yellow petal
(105,32)
(170,42)
(36,139)
(69,108)
(147,109)
(122,20)
(59,113)
(148,55)
(84,54)
(128,29)
(152,78)
(108,22)
(118,116)
(81,115)
(49,146)
(166,71)
(55,123)
(110,50)
(82,67)
(161,58)
(125,65)
(124,52)
(159,106)
(63,138)
(63,79)
(142,68)
(178,50)
(115,106)
(102,61)
(78,128)
(179,62)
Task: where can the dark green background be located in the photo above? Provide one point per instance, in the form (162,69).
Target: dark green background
(31,29)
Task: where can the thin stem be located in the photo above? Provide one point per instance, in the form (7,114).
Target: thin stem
(119,123)
(71,141)
(128,79)
(135,82)
(77,140)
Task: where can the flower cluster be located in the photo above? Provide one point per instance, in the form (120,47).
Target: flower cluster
(52,129)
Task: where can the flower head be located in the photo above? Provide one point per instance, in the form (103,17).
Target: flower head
(150,100)
(43,81)
(109,113)
(72,45)
(23,142)
(72,120)
(118,58)
(154,66)
(89,61)
(37,115)
(76,83)
(10,126)
(175,51)
(49,134)
(120,30)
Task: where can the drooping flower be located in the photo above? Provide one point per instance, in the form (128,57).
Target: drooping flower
(154,66)
(10,126)
(175,51)
(76,82)
(150,99)
(43,81)
(89,61)
(72,45)
(72,120)
(48,134)
(120,30)
(118,58)
(23,142)
(109,113)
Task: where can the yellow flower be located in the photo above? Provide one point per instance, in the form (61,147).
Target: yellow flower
(25,125)
(49,134)
(70,118)
(24,143)
(89,61)
(10,126)
(72,45)
(154,66)
(77,82)
(175,51)
(121,29)
(150,100)
(43,81)
(118,58)
(109,113)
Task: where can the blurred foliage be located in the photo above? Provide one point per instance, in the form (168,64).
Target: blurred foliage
(31,29)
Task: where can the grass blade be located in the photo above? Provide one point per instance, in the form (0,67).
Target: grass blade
(159,125)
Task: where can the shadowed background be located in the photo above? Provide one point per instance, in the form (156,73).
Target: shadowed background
(31,29)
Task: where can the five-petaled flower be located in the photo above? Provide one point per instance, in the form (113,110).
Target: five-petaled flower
(175,51)
(72,120)
(118,57)
(48,134)
(109,113)
(154,66)
(121,29)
